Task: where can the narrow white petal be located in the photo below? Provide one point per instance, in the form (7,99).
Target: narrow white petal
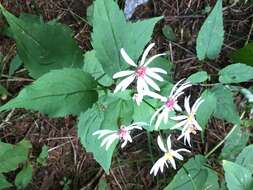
(159,120)
(124,144)
(165,115)
(153,58)
(179,118)
(182,150)
(155,114)
(124,83)
(110,141)
(141,85)
(175,87)
(151,83)
(161,144)
(196,125)
(122,74)
(102,133)
(153,95)
(188,138)
(154,75)
(178,125)
(172,161)
(157,70)
(196,105)
(145,54)
(169,143)
(187,105)
(177,155)
(127,58)
(177,107)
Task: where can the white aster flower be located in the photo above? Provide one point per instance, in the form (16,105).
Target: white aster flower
(143,74)
(170,103)
(188,121)
(168,157)
(122,134)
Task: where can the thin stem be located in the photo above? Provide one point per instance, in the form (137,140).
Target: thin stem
(150,146)
(226,137)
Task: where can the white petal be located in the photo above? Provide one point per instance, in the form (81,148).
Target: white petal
(196,125)
(154,75)
(127,58)
(177,155)
(177,107)
(153,58)
(153,95)
(158,165)
(160,144)
(122,74)
(141,85)
(145,54)
(196,105)
(124,83)
(180,124)
(187,105)
(179,118)
(175,87)
(188,138)
(182,150)
(151,83)
(155,114)
(124,144)
(169,143)
(181,88)
(159,120)
(110,141)
(102,133)
(157,70)
(172,161)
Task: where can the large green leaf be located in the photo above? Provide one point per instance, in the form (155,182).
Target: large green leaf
(24,177)
(244,55)
(111,32)
(43,46)
(206,109)
(211,34)
(198,77)
(236,73)
(234,144)
(106,114)
(92,66)
(237,177)
(225,107)
(12,155)
(58,93)
(4,184)
(245,158)
(194,176)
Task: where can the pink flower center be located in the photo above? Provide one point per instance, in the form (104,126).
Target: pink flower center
(122,133)
(141,71)
(170,103)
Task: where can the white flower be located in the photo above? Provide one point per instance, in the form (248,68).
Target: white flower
(138,97)
(170,103)
(168,157)
(122,134)
(142,73)
(188,121)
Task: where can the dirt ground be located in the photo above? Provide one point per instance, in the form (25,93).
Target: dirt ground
(130,168)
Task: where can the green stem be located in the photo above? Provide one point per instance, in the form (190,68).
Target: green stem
(150,146)
(226,137)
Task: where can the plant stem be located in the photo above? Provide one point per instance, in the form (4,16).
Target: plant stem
(226,137)
(149,146)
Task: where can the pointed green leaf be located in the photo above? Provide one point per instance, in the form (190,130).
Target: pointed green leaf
(92,66)
(14,65)
(43,47)
(234,144)
(236,73)
(211,34)
(4,184)
(194,176)
(111,32)
(237,177)
(198,77)
(245,158)
(244,55)
(225,107)
(57,93)
(24,177)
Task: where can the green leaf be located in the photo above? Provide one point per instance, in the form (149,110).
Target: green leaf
(211,34)
(44,46)
(92,66)
(194,176)
(24,177)
(14,65)
(111,32)
(13,155)
(107,114)
(42,159)
(4,184)
(225,107)
(102,185)
(203,114)
(236,73)
(234,144)
(168,33)
(198,77)
(244,55)
(245,158)
(237,177)
(57,93)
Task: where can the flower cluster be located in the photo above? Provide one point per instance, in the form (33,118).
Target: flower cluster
(142,78)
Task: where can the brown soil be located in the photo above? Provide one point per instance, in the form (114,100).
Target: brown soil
(130,168)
